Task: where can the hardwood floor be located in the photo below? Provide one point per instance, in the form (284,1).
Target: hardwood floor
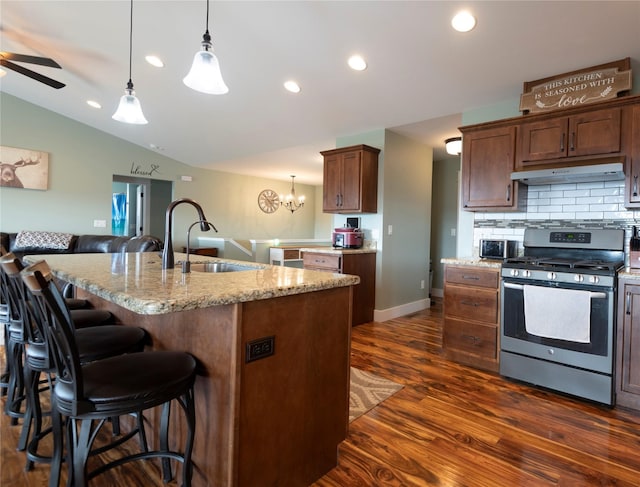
(449,426)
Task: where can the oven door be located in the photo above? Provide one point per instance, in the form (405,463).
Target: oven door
(596,355)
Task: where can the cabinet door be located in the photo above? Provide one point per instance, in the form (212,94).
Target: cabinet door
(332,190)
(594,133)
(488,158)
(633,161)
(628,360)
(543,140)
(351,181)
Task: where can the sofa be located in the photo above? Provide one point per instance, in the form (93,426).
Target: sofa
(27,242)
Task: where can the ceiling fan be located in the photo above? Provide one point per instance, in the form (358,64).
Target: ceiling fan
(7,58)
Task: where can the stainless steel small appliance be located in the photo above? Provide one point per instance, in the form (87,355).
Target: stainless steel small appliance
(497,248)
(348,238)
(558,311)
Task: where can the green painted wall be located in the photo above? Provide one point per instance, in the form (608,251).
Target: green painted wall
(83,160)
(443,215)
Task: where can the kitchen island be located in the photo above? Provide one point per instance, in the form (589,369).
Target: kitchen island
(272,345)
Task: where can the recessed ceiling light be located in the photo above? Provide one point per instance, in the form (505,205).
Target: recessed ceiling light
(155,61)
(463,21)
(93,104)
(292,86)
(357,62)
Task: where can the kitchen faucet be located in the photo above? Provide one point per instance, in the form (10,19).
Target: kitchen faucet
(186,265)
(167,252)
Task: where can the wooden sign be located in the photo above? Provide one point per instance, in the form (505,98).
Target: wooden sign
(581,87)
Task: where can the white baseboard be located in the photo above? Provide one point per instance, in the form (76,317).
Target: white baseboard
(438,293)
(402,310)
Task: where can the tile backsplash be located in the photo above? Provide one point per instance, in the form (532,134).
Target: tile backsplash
(574,205)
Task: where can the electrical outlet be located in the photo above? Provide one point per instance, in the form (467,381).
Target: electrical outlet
(260,348)
(390,230)
(99,223)
(422,284)
(453,232)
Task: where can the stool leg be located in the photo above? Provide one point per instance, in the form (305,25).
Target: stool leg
(164,441)
(58,445)
(190,414)
(31,380)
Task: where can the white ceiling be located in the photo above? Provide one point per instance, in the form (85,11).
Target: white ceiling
(422,74)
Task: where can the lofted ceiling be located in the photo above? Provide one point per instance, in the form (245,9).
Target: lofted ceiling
(421,73)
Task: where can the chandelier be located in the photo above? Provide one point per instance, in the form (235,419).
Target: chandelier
(290,201)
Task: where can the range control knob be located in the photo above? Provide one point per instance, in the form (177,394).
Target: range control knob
(594,279)
(578,278)
(526,273)
(551,275)
(513,272)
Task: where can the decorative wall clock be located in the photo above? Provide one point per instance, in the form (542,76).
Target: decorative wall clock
(268,200)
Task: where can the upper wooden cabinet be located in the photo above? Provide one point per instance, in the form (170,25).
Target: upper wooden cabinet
(632,172)
(604,132)
(586,134)
(488,158)
(350,180)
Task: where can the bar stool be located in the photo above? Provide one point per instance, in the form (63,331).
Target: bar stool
(94,342)
(84,395)
(14,339)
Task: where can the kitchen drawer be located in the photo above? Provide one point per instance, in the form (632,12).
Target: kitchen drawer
(317,261)
(471,276)
(473,338)
(470,303)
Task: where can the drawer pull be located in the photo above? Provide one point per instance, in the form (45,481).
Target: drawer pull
(471,278)
(471,338)
(469,303)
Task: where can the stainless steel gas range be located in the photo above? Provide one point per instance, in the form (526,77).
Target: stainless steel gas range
(558,311)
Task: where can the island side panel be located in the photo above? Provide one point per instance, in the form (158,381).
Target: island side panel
(211,335)
(294,404)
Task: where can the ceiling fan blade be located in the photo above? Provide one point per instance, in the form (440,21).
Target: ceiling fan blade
(24,58)
(32,74)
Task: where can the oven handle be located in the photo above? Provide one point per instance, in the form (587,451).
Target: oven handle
(520,287)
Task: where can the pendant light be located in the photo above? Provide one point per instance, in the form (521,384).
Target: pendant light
(205,75)
(129,109)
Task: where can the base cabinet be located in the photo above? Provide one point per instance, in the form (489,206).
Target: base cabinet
(362,265)
(472,316)
(628,344)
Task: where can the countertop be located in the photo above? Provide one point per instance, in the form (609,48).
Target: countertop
(332,250)
(473,261)
(137,282)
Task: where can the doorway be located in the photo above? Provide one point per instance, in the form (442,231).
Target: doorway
(138,205)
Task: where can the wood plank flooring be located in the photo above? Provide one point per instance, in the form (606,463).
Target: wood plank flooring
(449,426)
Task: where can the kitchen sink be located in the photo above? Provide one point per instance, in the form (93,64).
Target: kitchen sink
(219,267)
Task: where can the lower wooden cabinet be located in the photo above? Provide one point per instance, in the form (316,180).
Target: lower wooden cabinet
(472,316)
(628,344)
(362,265)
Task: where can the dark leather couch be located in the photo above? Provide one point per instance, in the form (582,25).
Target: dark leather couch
(86,244)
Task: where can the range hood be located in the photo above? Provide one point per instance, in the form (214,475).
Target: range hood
(574,174)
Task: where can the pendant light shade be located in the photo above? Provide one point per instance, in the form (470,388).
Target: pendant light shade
(205,75)
(129,109)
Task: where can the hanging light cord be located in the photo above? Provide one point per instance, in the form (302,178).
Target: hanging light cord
(130,83)
(206,38)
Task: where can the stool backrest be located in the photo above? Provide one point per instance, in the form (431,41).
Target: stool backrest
(53,314)
(24,317)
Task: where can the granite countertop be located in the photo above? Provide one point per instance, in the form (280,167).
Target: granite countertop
(332,250)
(473,261)
(629,273)
(137,282)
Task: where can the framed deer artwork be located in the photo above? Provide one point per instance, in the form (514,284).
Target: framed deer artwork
(23,168)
